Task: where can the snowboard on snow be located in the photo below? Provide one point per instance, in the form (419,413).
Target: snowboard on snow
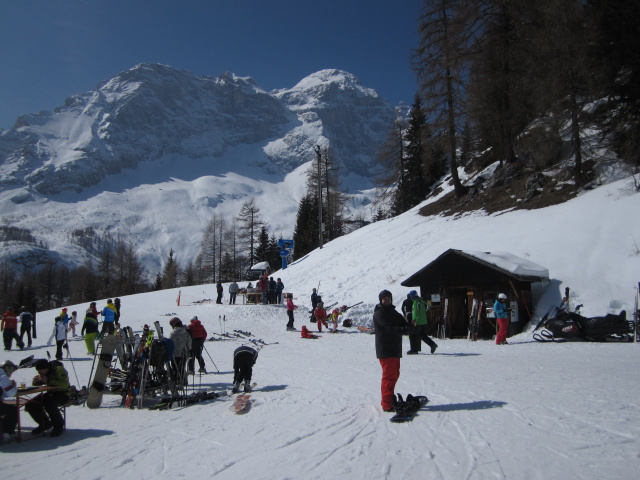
(408,409)
(241,404)
(103,365)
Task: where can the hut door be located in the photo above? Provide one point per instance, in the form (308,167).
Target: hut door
(458,318)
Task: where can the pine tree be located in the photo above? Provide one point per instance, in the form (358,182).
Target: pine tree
(228,269)
(157,283)
(188,275)
(565,68)
(441,60)
(170,273)
(500,95)
(262,248)
(273,254)
(390,157)
(105,266)
(209,254)
(134,272)
(305,234)
(615,49)
(412,188)
(249,228)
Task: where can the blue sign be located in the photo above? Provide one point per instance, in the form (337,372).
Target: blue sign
(286,247)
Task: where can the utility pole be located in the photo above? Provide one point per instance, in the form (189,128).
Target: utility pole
(320,226)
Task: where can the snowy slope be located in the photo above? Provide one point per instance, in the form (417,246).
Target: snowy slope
(524,411)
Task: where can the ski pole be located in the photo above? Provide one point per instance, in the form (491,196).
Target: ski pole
(73,366)
(214,363)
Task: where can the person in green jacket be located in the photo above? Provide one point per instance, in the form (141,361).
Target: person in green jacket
(90,331)
(44,408)
(419,310)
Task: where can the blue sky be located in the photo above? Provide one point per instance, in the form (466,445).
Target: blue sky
(51,49)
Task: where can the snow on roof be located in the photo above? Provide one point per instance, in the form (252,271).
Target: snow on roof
(261,266)
(510,263)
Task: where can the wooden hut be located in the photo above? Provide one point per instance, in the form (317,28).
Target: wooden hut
(457,277)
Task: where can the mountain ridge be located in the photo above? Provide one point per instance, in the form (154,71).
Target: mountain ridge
(154,128)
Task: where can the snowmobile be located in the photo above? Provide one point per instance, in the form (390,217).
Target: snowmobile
(573,326)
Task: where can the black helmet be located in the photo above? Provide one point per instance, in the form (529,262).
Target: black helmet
(383,294)
(41,364)
(8,364)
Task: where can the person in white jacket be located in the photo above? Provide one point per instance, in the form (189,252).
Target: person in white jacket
(60,333)
(181,349)
(8,413)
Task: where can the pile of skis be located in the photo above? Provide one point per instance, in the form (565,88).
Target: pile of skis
(474,320)
(185,400)
(144,368)
(242,336)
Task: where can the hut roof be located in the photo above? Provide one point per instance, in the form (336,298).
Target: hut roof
(462,266)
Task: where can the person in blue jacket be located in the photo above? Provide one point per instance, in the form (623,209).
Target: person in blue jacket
(501,312)
(109,314)
(279,289)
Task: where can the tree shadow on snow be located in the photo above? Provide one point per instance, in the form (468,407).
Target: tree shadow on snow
(481,405)
(43,442)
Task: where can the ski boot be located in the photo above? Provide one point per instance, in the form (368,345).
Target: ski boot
(247,386)
(236,387)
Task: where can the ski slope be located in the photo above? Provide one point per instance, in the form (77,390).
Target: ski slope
(527,410)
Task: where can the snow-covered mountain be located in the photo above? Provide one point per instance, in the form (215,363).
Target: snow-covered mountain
(151,154)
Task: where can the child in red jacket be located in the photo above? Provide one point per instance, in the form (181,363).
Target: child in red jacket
(306,333)
(320,315)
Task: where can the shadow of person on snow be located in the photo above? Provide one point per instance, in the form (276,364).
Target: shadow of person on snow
(44,442)
(480,405)
(457,354)
(270,388)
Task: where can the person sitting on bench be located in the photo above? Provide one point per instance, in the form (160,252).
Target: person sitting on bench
(45,407)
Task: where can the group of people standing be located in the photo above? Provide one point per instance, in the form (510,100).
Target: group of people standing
(65,324)
(9,327)
(270,290)
(188,345)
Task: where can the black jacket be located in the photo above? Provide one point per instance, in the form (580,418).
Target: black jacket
(389,326)
(245,354)
(407,306)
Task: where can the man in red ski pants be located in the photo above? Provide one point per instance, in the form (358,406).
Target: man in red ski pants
(389,326)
